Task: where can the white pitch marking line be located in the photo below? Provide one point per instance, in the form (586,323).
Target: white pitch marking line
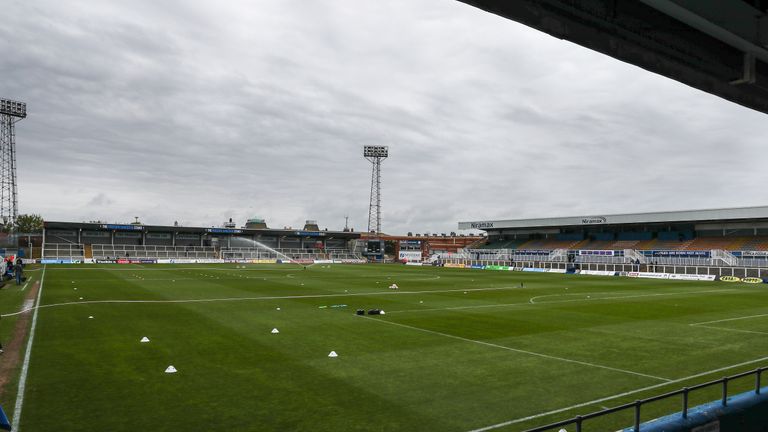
(730,319)
(557,301)
(531,300)
(583,363)
(25,366)
(616,396)
(25,286)
(223,299)
(732,330)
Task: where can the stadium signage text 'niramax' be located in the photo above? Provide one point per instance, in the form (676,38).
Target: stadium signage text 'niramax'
(481,225)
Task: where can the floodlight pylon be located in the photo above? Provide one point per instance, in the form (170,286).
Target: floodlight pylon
(375,155)
(10,113)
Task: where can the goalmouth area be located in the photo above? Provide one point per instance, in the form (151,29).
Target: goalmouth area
(456,350)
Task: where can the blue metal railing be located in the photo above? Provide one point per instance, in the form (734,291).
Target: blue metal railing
(637,405)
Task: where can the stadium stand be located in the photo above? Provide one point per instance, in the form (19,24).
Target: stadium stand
(666,245)
(547,244)
(478,243)
(105,242)
(503,244)
(343,254)
(107,252)
(64,251)
(625,244)
(598,245)
(724,243)
(691,241)
(293,254)
(755,244)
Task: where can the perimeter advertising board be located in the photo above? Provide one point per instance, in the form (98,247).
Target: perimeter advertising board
(692,277)
(409,256)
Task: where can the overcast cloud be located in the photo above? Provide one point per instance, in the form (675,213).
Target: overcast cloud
(200,111)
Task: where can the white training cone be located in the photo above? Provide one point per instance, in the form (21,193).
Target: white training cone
(75,289)
(170,369)
(144,339)
(90,317)
(275,331)
(277,308)
(81,298)
(333,354)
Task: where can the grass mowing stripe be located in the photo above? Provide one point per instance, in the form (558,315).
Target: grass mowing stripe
(25,366)
(528,303)
(579,362)
(233,299)
(616,396)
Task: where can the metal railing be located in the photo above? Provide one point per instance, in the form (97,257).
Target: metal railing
(292,253)
(742,272)
(724,256)
(637,405)
(63,251)
(717,259)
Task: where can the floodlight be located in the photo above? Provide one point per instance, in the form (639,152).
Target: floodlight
(13,108)
(376,151)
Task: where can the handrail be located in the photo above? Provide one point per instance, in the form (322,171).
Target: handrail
(619,258)
(637,405)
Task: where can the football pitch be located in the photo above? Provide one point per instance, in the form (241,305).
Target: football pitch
(457,350)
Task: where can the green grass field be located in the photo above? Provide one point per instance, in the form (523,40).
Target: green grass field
(458,350)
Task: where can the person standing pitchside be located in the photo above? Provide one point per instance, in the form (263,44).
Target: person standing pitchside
(17,271)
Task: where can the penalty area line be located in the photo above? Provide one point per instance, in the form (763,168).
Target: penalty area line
(529,302)
(616,396)
(731,329)
(729,319)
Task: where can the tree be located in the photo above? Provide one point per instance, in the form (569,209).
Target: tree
(5,226)
(29,223)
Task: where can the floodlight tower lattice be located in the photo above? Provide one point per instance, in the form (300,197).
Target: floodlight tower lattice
(375,155)
(10,112)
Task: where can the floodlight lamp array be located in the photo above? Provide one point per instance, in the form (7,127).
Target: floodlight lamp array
(13,108)
(376,151)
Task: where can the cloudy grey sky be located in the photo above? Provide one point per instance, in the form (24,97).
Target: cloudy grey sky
(198,111)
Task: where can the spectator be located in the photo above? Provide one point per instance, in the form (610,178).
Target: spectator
(18,269)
